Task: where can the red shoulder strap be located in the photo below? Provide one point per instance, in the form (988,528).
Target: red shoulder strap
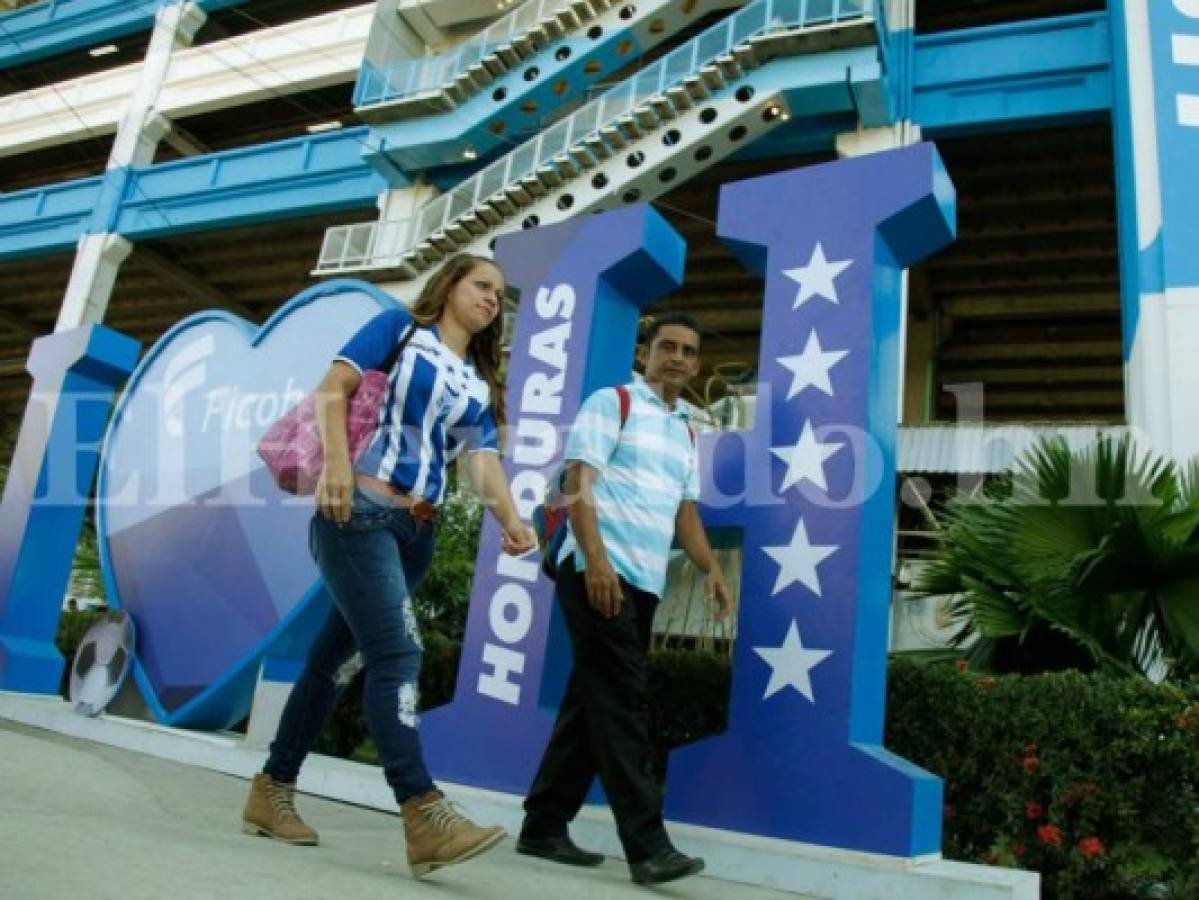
(622,394)
(626,401)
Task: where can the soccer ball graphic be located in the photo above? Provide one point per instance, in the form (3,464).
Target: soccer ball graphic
(101,663)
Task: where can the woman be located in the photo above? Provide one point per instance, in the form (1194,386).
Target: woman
(372,538)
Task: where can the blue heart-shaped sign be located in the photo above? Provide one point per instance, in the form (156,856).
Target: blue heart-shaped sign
(197,543)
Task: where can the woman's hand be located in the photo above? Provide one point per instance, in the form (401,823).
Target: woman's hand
(491,483)
(518,538)
(335,491)
(335,487)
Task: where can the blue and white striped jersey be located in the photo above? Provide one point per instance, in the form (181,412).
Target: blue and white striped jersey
(645,469)
(437,407)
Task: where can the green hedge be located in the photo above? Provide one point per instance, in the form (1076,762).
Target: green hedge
(1092,781)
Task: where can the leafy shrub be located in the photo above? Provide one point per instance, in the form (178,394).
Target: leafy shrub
(443,597)
(689,694)
(1086,560)
(1091,780)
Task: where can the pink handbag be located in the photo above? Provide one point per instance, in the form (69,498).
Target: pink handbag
(292,448)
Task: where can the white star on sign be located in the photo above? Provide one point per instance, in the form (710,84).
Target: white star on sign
(810,368)
(816,278)
(791,664)
(806,459)
(798,560)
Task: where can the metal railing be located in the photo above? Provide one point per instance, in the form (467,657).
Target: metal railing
(362,244)
(760,18)
(416,76)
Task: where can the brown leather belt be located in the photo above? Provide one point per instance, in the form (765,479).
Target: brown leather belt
(420,509)
(423,510)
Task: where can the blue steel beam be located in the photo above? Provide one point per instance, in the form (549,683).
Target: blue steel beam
(47,219)
(983,79)
(58,26)
(284,180)
(1003,77)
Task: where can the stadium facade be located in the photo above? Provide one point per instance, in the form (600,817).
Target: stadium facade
(163,157)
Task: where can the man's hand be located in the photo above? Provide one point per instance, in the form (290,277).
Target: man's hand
(718,593)
(603,588)
(518,539)
(335,491)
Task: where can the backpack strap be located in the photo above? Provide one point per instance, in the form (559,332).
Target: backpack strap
(626,402)
(394,356)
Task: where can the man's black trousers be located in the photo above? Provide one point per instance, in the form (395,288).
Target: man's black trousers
(603,723)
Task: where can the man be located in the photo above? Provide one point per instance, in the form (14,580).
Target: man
(632,487)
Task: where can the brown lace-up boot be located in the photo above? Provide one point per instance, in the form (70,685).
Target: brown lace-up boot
(271,810)
(438,835)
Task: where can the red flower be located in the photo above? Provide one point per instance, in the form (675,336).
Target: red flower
(1033,811)
(1018,851)
(949,810)
(1091,846)
(1049,834)
(962,665)
(1030,764)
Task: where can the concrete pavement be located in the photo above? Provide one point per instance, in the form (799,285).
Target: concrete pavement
(91,822)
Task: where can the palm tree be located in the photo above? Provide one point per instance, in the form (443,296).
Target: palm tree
(1087,560)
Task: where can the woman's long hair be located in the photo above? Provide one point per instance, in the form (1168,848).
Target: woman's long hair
(484,350)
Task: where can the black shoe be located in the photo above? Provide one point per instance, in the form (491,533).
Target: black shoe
(559,849)
(665,865)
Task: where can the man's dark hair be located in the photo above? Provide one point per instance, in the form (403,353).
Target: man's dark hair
(670,318)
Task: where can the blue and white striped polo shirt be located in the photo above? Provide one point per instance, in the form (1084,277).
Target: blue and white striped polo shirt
(645,469)
(437,407)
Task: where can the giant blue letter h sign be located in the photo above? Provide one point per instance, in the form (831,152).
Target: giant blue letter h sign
(74,375)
